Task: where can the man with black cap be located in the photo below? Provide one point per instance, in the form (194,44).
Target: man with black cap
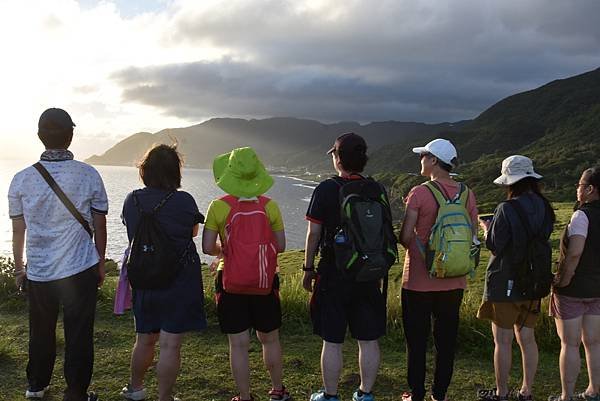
(61,205)
(339,301)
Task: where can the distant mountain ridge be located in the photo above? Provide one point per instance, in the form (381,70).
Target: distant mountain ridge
(281,142)
(557,125)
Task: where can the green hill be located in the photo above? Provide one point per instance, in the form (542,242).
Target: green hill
(557,125)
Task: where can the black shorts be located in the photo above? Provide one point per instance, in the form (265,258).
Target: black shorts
(337,304)
(239,312)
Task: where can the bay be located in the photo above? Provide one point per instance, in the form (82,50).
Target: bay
(292,194)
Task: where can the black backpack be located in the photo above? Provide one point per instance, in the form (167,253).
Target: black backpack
(153,262)
(533,274)
(365,246)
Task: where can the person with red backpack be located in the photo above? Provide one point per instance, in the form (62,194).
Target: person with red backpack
(250,228)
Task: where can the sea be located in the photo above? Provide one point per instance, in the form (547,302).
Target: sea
(291,193)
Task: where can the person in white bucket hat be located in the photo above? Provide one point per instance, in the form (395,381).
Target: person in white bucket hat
(511,298)
(515,168)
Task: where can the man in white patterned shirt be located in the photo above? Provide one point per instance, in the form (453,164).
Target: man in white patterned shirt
(65,257)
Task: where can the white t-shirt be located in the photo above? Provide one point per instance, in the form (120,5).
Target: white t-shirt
(579,224)
(57,245)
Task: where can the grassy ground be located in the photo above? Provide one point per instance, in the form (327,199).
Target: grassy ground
(205,368)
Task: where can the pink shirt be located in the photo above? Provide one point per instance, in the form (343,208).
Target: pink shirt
(415,275)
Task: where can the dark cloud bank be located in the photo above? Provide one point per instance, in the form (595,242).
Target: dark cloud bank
(368,61)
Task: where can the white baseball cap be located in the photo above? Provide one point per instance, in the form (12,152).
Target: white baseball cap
(440,148)
(514,169)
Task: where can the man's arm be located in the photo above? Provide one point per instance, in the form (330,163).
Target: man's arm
(100,241)
(313,236)
(18,245)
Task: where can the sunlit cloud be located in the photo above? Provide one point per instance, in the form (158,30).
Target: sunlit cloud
(125,66)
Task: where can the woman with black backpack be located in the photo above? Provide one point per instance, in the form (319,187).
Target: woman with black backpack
(518,274)
(575,302)
(163,269)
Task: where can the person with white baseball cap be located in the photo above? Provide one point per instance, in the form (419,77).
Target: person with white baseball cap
(442,149)
(510,301)
(427,299)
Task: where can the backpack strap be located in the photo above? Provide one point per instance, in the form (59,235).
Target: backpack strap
(516,205)
(63,197)
(231,200)
(155,209)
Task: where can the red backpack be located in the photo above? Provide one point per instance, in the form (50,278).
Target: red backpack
(250,250)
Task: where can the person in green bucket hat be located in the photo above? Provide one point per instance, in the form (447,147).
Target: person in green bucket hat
(241,173)
(251,232)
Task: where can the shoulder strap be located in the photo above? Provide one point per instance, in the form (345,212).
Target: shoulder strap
(163,201)
(63,198)
(522,216)
(438,195)
(263,200)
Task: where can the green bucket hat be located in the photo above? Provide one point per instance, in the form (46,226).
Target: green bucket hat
(241,173)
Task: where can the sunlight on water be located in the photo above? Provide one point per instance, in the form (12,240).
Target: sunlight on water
(291,196)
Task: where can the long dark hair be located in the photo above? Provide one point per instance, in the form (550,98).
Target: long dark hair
(529,184)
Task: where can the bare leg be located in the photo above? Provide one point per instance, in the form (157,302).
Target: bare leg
(368,361)
(529,356)
(591,342)
(238,359)
(331,366)
(502,357)
(141,358)
(272,358)
(169,362)
(569,332)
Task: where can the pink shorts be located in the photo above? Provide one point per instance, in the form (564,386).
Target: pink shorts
(564,307)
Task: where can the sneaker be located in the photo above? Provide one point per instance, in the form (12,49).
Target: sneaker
(280,395)
(135,395)
(406,396)
(586,397)
(361,396)
(321,396)
(29,393)
(92,396)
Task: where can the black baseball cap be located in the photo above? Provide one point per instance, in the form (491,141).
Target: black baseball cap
(348,142)
(55,120)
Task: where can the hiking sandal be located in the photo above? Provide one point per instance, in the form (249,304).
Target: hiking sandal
(490,395)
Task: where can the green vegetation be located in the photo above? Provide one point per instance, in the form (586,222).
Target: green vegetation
(205,369)
(556,125)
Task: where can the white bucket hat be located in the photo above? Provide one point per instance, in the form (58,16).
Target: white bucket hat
(514,169)
(440,148)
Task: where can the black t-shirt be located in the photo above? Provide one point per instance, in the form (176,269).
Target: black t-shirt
(324,209)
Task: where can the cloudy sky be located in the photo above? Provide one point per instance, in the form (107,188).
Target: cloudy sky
(125,66)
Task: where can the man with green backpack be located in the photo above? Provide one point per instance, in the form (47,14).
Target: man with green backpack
(439,234)
(349,223)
